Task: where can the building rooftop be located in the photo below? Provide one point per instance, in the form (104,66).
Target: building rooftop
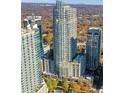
(79,58)
(29,30)
(35,17)
(96,28)
(75,62)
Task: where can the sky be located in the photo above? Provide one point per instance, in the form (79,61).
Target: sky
(94,2)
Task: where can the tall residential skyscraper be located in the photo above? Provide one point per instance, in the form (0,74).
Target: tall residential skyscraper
(93,48)
(65,32)
(31,77)
(31,20)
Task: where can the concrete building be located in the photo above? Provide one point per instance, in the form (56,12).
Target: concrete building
(65,33)
(75,69)
(30,60)
(71,70)
(93,48)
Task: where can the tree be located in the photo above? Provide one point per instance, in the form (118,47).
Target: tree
(75,86)
(54,83)
(86,86)
(80,83)
(48,38)
(72,83)
(65,85)
(49,83)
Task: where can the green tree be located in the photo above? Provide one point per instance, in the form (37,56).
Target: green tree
(54,83)
(49,83)
(65,85)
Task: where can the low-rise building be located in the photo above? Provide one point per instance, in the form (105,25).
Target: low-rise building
(82,60)
(43,89)
(48,66)
(75,69)
(70,69)
(46,48)
(45,66)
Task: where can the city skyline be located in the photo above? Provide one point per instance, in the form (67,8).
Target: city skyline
(61,47)
(91,2)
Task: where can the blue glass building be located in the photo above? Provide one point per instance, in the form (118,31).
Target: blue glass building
(93,48)
(82,60)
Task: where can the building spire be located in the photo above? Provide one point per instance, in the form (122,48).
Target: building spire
(32,20)
(33,16)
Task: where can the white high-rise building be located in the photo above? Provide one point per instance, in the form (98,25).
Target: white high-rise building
(65,33)
(32,20)
(71,15)
(30,60)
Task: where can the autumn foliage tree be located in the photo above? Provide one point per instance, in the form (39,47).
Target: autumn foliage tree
(65,85)
(81,85)
(75,86)
(48,38)
(54,83)
(86,86)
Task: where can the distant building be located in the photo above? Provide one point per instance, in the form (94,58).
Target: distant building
(65,33)
(30,60)
(93,47)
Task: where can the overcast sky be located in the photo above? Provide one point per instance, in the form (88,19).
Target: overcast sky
(67,1)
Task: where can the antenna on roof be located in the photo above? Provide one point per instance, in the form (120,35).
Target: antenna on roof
(33,16)
(32,20)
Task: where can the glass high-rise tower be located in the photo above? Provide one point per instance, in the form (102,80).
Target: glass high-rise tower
(31,20)
(65,33)
(31,55)
(93,47)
